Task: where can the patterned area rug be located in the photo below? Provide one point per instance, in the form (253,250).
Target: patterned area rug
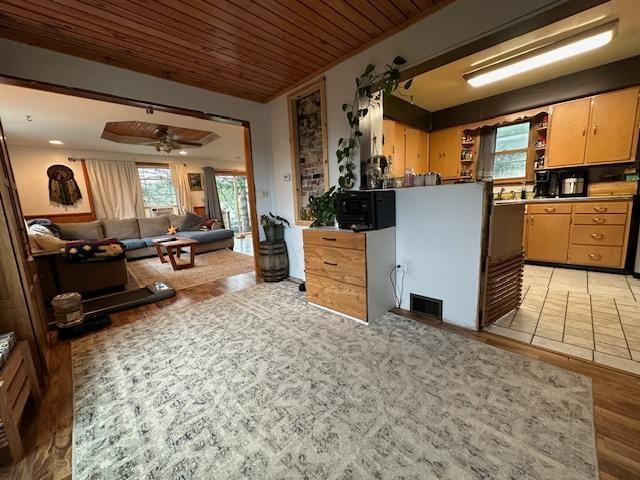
(209,266)
(258,384)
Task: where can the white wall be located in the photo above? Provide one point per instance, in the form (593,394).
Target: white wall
(456,24)
(25,61)
(30,168)
(439,238)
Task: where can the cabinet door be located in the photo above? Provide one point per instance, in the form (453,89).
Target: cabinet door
(423,151)
(568,133)
(389,136)
(411,148)
(548,237)
(612,126)
(398,164)
(444,152)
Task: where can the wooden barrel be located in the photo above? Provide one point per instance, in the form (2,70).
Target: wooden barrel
(274,261)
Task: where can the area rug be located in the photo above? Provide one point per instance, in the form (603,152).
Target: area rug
(209,266)
(258,384)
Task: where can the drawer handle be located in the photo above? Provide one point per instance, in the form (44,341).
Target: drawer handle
(329,239)
(600,209)
(595,256)
(597,236)
(332,264)
(599,220)
(550,209)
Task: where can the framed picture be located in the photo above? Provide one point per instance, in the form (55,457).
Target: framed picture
(308,138)
(195,182)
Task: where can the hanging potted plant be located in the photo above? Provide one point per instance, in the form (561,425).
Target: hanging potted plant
(273,226)
(322,208)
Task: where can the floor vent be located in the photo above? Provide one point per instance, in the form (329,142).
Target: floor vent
(428,307)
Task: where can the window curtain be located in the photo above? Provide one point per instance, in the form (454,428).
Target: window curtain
(181,187)
(486,152)
(211,199)
(116,189)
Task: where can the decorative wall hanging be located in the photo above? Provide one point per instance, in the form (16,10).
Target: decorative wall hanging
(63,188)
(195,182)
(308,138)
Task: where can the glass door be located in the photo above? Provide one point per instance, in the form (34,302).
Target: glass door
(234,201)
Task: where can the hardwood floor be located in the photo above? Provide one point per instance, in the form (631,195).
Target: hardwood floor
(47,429)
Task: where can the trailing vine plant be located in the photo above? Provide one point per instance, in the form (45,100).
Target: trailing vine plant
(370,86)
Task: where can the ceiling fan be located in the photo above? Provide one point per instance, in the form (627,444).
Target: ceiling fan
(166,141)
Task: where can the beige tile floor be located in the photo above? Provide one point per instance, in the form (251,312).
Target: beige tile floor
(591,315)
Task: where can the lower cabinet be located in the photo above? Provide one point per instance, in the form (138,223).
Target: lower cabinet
(581,233)
(348,272)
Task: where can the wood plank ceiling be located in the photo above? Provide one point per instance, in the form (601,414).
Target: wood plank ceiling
(253,49)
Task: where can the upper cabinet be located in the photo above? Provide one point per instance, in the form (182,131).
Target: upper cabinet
(612,127)
(595,130)
(407,147)
(444,152)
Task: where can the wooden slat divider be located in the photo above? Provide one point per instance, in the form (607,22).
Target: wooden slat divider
(502,287)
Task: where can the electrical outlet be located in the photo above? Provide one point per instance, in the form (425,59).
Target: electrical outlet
(287,177)
(404,266)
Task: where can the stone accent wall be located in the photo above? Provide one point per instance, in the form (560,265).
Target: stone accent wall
(310,161)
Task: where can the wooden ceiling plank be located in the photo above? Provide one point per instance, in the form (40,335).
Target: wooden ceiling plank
(213,45)
(306,24)
(407,7)
(89,36)
(325,11)
(389,10)
(127,52)
(424,4)
(300,10)
(355,16)
(39,40)
(261,17)
(222,18)
(372,12)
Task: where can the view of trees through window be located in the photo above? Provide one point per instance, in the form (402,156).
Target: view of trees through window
(512,142)
(234,200)
(157,189)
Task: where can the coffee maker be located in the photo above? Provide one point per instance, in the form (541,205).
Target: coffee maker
(547,184)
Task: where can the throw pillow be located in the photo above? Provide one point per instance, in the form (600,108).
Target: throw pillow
(46,241)
(172,230)
(192,223)
(81,231)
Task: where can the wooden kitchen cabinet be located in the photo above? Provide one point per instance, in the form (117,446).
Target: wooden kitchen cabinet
(407,146)
(567,138)
(611,130)
(416,150)
(548,237)
(595,130)
(444,152)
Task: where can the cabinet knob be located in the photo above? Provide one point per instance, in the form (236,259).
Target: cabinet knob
(331,264)
(597,236)
(531,221)
(584,131)
(595,129)
(599,220)
(600,209)
(550,209)
(595,256)
(329,239)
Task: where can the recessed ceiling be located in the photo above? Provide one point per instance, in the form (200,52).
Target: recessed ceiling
(253,50)
(33,117)
(445,86)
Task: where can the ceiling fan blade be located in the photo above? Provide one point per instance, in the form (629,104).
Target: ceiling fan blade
(187,143)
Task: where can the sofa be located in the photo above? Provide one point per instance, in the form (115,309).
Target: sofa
(137,234)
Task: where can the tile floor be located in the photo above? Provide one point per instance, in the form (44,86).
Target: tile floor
(590,315)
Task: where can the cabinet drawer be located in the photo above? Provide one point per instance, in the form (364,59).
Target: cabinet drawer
(595,255)
(601,207)
(342,297)
(595,235)
(604,219)
(342,264)
(329,238)
(549,208)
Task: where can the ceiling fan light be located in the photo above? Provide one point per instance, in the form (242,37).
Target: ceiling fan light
(553,53)
(182,152)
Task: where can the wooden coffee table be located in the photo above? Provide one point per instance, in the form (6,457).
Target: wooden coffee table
(172,247)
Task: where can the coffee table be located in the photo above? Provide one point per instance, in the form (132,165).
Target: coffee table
(172,246)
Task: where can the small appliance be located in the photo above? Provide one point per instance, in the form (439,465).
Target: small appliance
(370,210)
(574,183)
(546,184)
(372,172)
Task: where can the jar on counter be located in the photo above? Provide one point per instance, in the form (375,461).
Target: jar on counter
(409,177)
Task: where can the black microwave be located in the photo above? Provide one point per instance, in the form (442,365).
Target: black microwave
(371,209)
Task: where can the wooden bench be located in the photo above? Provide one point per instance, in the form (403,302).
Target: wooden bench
(18,381)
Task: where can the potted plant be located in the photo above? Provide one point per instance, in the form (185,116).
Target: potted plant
(322,208)
(273,226)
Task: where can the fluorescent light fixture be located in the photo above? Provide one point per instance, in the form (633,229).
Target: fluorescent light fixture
(182,152)
(560,50)
(56,142)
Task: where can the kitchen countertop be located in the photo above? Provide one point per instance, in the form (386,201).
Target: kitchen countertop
(610,198)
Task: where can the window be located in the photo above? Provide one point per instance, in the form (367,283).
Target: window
(510,160)
(157,189)
(234,201)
